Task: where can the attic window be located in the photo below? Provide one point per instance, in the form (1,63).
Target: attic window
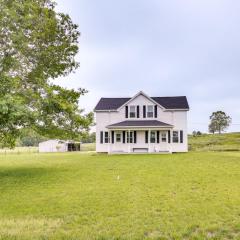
(132,112)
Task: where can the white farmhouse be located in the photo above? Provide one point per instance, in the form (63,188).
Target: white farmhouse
(142,124)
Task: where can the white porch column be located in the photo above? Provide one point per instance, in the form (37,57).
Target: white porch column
(170,144)
(128,139)
(109,141)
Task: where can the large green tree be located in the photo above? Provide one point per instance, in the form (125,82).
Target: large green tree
(219,121)
(38,45)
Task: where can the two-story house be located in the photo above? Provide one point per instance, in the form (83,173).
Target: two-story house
(142,124)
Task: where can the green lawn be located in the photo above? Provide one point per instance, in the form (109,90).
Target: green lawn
(89,196)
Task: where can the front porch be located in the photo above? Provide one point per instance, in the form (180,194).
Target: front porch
(139,137)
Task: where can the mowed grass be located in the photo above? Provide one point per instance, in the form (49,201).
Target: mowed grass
(90,196)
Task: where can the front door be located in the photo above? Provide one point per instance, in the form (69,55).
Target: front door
(163,145)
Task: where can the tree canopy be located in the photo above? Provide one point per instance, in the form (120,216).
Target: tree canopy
(219,121)
(38,45)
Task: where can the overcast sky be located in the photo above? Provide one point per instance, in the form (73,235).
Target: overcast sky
(162,47)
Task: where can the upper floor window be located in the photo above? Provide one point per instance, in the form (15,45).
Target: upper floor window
(132,112)
(150,111)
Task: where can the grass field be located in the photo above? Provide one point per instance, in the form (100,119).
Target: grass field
(85,147)
(206,142)
(90,196)
(216,142)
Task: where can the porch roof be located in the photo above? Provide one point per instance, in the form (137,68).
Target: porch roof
(140,124)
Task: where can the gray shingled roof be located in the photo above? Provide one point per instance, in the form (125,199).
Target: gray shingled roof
(167,102)
(139,123)
(172,102)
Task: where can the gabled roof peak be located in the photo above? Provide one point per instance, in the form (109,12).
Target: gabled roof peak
(145,95)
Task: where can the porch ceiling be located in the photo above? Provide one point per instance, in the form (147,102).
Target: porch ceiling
(139,124)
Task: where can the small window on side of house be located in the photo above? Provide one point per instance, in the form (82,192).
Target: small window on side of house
(175,137)
(106,137)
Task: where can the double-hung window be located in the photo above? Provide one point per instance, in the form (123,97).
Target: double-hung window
(118,137)
(129,137)
(153,137)
(175,137)
(150,111)
(164,137)
(132,112)
(106,137)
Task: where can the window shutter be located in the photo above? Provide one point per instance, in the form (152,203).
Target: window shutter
(123,140)
(146,136)
(181,136)
(155,111)
(144,111)
(127,136)
(135,136)
(138,112)
(126,111)
(112,136)
(157,136)
(169,136)
(101,137)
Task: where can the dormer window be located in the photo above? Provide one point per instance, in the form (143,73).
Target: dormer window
(132,112)
(150,110)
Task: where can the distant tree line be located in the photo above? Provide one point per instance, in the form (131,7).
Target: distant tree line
(196,133)
(89,138)
(29,138)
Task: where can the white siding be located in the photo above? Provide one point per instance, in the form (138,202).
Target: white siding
(52,146)
(176,118)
